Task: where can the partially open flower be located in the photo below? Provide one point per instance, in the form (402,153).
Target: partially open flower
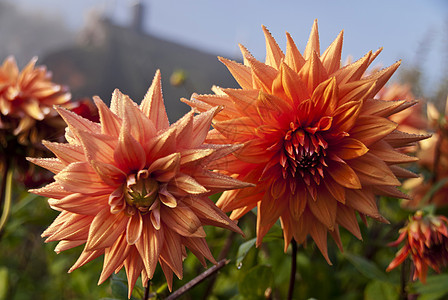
(316,142)
(135,188)
(27,115)
(425,242)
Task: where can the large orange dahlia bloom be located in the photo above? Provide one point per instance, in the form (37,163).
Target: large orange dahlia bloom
(316,142)
(134,188)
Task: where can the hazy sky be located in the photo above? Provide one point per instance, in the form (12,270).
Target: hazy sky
(415,31)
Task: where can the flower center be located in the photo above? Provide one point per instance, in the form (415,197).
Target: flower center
(142,191)
(303,153)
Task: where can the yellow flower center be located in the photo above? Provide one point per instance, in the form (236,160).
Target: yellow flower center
(142,191)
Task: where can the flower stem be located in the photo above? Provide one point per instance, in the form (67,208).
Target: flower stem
(403,279)
(5,195)
(146,296)
(198,279)
(292,278)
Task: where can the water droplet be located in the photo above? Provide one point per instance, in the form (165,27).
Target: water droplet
(239,265)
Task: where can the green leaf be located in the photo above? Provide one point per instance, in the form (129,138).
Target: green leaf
(367,268)
(436,286)
(119,287)
(256,281)
(3,283)
(243,250)
(380,290)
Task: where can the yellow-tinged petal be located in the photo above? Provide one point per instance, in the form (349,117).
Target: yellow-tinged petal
(134,228)
(313,45)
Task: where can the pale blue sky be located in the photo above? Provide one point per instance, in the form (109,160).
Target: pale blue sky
(400,26)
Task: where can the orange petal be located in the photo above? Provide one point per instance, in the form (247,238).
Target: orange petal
(343,174)
(331,58)
(313,42)
(182,220)
(110,122)
(371,129)
(114,257)
(152,104)
(274,54)
(293,57)
(241,73)
(129,154)
(134,228)
(373,171)
(105,230)
(350,148)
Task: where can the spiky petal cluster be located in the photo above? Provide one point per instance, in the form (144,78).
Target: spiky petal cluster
(27,96)
(425,242)
(317,143)
(134,188)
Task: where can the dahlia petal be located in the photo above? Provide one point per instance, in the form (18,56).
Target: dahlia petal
(161,144)
(209,213)
(319,234)
(167,198)
(134,228)
(201,126)
(363,202)
(53,190)
(293,57)
(383,108)
(66,245)
(75,228)
(32,108)
(337,238)
(241,73)
(219,182)
(387,153)
(313,72)
(269,210)
(78,203)
(243,100)
(263,74)
(371,129)
(238,213)
(336,190)
(331,58)
(293,85)
(287,230)
(98,147)
(116,103)
(105,230)
(195,156)
(155,217)
(184,128)
(110,174)
(355,91)
(75,121)
(402,172)
(353,72)
(152,104)
(182,220)
(274,54)
(52,164)
(134,266)
(171,252)
(67,153)
(80,177)
(85,257)
(346,116)
(313,45)
(140,127)
(297,203)
(390,191)
(168,274)
(149,246)
(381,77)
(189,184)
(350,148)
(110,122)
(199,248)
(398,139)
(344,175)
(114,257)
(324,208)
(165,168)
(373,171)
(128,154)
(325,97)
(346,218)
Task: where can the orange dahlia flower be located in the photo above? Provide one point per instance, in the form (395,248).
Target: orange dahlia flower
(27,116)
(134,188)
(425,241)
(316,143)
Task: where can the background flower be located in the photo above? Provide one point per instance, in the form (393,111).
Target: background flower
(134,188)
(425,241)
(316,142)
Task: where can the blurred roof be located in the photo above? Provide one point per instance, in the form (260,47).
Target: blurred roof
(109,56)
